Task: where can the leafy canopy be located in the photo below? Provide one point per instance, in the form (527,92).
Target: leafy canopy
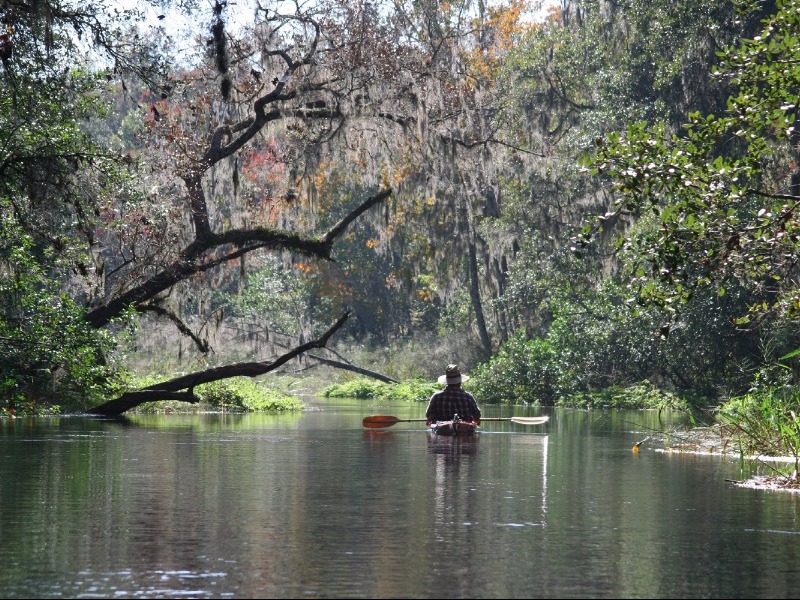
(725,190)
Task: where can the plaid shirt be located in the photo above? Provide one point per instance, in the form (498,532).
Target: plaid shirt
(452,401)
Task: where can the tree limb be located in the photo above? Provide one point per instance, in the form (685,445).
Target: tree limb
(201,344)
(339,228)
(190,263)
(171,390)
(348,367)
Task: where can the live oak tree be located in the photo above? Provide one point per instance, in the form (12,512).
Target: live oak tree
(130,277)
(273,102)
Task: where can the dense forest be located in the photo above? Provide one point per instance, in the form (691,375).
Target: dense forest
(564,199)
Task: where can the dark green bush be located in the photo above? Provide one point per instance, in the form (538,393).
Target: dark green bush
(522,372)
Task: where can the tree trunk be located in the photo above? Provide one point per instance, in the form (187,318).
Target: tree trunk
(475,295)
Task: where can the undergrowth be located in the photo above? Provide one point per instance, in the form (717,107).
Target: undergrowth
(765,422)
(234,394)
(640,396)
(412,391)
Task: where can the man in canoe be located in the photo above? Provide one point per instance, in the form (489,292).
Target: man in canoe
(452,400)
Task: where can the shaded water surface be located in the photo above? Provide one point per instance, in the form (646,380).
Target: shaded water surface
(312,505)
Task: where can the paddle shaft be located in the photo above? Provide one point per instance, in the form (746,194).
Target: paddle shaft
(387,421)
(520,420)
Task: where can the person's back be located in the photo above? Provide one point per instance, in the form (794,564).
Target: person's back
(452,400)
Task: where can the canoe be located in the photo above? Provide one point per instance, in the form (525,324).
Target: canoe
(453,428)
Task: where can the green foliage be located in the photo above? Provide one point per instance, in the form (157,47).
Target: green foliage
(598,337)
(48,351)
(604,337)
(355,388)
(724,191)
(242,393)
(523,372)
(643,395)
(766,422)
(14,403)
(599,342)
(408,391)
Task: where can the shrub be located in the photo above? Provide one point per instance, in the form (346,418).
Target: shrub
(242,393)
(411,391)
(522,372)
(642,395)
(355,388)
(235,394)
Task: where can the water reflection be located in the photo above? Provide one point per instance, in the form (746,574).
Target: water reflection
(313,505)
(377,435)
(453,447)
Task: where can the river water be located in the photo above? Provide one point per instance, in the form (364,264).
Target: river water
(311,505)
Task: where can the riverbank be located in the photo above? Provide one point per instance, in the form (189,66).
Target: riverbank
(719,440)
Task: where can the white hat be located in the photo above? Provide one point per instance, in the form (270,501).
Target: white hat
(452,375)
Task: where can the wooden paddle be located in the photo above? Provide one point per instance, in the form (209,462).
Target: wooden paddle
(386,421)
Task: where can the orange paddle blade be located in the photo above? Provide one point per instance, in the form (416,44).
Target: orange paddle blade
(379,421)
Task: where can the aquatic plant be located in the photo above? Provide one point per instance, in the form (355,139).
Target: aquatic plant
(766,422)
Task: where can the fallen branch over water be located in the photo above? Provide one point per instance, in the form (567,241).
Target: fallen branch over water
(182,388)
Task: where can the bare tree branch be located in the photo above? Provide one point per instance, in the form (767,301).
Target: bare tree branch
(350,367)
(201,344)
